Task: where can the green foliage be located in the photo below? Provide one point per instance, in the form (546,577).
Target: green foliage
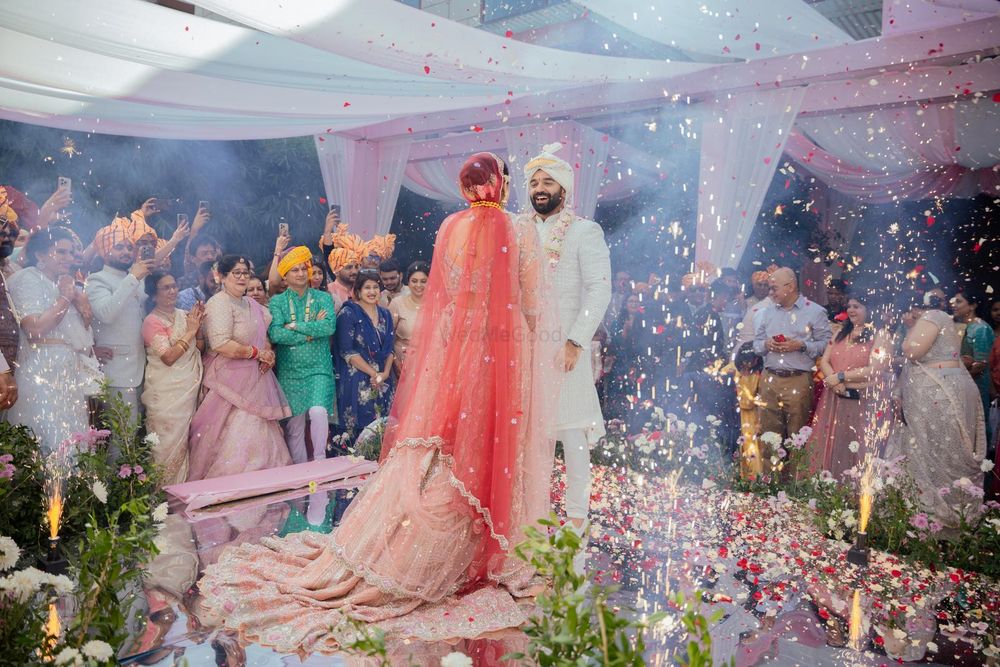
(21,495)
(107,542)
(110,558)
(698,648)
(369,642)
(576,625)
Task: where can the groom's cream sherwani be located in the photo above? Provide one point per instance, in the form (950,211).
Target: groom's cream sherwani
(581,286)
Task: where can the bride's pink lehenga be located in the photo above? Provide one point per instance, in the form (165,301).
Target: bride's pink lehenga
(426,550)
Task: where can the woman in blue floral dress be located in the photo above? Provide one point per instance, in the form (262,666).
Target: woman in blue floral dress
(364,357)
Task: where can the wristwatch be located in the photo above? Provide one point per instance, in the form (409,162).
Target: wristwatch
(841,377)
(574,343)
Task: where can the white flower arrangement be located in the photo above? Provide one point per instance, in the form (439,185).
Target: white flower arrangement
(9,553)
(152,439)
(456,659)
(771,438)
(986,465)
(22,585)
(98,650)
(160,513)
(69,656)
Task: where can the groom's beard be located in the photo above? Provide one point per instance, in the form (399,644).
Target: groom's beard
(548,203)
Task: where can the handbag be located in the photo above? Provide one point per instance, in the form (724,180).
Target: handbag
(90,373)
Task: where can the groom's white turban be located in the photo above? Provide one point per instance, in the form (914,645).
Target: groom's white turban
(555,167)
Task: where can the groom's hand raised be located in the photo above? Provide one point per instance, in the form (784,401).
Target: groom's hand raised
(572,355)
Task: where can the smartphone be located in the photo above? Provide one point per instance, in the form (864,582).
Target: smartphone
(283,229)
(64,183)
(202,205)
(335,208)
(182,219)
(147,252)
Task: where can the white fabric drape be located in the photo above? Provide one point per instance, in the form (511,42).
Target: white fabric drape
(364,178)
(725,28)
(742,140)
(435,179)
(135,68)
(393,35)
(583,147)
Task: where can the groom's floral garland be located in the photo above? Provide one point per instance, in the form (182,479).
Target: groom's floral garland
(553,248)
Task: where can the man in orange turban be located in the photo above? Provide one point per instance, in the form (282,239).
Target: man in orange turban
(344,260)
(117,296)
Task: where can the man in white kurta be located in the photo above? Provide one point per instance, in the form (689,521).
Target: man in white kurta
(117,296)
(578,258)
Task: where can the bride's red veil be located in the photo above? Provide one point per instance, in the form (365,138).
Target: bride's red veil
(480,382)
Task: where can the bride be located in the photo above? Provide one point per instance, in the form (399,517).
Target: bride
(426,550)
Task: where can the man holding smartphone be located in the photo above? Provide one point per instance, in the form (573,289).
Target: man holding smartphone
(117,296)
(790,334)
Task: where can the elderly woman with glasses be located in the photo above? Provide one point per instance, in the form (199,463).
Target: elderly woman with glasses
(236,426)
(173,343)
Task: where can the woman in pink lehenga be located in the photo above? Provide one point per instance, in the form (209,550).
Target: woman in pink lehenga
(426,549)
(235,429)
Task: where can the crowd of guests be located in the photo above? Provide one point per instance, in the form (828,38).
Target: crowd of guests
(235,369)
(914,377)
(218,353)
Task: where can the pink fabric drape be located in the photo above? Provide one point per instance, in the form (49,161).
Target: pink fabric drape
(364,178)
(944,180)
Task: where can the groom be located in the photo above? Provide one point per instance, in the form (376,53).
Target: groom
(580,277)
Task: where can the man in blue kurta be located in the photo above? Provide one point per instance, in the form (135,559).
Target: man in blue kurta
(302,324)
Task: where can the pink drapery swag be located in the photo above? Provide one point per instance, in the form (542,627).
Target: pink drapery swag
(910,152)
(479,389)
(357,173)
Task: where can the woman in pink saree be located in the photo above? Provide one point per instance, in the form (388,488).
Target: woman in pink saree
(426,550)
(235,429)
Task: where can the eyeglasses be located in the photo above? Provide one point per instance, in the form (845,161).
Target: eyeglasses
(240,274)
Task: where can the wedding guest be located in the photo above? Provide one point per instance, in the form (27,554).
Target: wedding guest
(759,287)
(302,324)
(625,354)
(405,310)
(836,298)
(748,370)
(845,405)
(390,273)
(317,274)
(256,290)
(9,330)
(993,310)
(173,373)
(760,281)
(943,430)
(343,263)
(205,289)
(977,341)
(202,248)
(117,298)
(235,429)
(790,334)
(364,356)
(55,369)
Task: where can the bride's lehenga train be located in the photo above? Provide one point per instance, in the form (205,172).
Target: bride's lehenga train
(426,549)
